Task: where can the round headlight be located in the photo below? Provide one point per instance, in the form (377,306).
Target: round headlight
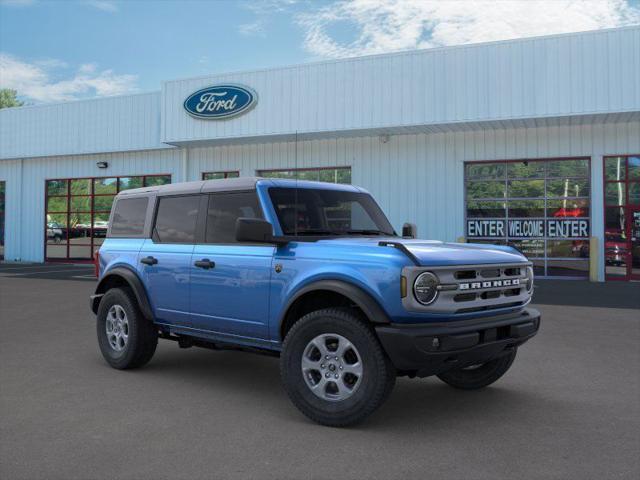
(529,279)
(425,288)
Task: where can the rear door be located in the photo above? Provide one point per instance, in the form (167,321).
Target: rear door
(165,259)
(229,280)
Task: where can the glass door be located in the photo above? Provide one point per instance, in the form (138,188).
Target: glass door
(634,242)
(622,217)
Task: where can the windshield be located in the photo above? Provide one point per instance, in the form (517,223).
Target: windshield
(307,211)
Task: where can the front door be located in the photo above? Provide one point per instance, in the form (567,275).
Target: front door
(230,281)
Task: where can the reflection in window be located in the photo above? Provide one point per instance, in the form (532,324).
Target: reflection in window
(330,175)
(568,188)
(128,183)
(77,212)
(568,248)
(486,209)
(526,169)
(220,175)
(103,186)
(614,193)
(485,171)
(526,188)
(633,167)
(531,248)
(573,207)
(489,189)
(568,168)
(615,168)
(526,208)
(157,180)
(634,193)
(614,219)
(536,193)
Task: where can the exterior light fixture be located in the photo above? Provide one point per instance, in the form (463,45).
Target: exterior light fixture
(102,164)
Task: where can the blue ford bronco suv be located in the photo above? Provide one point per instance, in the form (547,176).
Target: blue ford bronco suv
(315,274)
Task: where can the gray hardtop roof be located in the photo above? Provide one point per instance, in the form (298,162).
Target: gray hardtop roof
(201,186)
(230,185)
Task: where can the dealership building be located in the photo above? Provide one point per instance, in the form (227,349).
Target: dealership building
(533,142)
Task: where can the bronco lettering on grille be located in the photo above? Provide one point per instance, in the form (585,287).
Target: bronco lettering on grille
(489,284)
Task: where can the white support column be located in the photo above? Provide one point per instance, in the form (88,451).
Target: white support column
(184,164)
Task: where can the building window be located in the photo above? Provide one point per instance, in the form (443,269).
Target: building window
(220,175)
(622,217)
(2,210)
(328,174)
(77,212)
(541,207)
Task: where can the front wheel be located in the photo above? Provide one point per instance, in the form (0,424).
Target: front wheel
(334,369)
(479,376)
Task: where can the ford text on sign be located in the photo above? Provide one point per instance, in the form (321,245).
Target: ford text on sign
(220,101)
(519,228)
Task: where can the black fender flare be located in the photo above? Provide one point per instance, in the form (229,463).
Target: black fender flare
(369,306)
(133,281)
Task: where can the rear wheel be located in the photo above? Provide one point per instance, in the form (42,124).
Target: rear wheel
(126,338)
(334,369)
(479,376)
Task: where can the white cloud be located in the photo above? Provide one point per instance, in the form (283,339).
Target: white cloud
(104,5)
(252,29)
(36,81)
(389,25)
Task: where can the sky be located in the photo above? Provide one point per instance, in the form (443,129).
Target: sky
(59,50)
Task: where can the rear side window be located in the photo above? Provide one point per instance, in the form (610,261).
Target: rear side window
(176,219)
(128,216)
(224,210)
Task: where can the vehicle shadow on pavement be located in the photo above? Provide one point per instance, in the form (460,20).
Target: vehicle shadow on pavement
(414,402)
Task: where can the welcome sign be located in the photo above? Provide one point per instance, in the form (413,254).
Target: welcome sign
(528,228)
(219,102)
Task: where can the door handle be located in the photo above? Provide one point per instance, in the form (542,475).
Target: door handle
(149,260)
(205,263)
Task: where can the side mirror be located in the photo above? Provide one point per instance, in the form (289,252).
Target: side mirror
(409,230)
(254,230)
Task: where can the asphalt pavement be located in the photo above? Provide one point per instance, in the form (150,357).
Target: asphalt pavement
(568,409)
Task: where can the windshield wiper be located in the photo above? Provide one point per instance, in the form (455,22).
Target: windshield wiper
(320,232)
(367,232)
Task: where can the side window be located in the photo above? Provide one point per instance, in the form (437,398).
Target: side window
(128,216)
(224,210)
(176,219)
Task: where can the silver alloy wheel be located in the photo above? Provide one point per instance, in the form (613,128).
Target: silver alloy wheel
(332,367)
(117,327)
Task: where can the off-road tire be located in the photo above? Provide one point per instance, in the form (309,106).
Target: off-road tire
(480,377)
(378,377)
(142,334)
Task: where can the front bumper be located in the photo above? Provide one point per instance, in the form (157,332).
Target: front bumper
(429,349)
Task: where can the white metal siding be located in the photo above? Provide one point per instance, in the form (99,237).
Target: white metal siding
(25,198)
(547,77)
(417,177)
(90,126)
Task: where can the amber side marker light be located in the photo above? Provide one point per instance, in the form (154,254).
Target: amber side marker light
(96,263)
(403,286)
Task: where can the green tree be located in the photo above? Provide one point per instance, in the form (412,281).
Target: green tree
(8,98)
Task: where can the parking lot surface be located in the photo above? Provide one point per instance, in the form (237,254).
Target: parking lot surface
(568,409)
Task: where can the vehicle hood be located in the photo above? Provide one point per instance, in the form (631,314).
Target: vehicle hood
(434,253)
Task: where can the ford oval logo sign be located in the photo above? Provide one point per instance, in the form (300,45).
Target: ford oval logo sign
(220,101)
